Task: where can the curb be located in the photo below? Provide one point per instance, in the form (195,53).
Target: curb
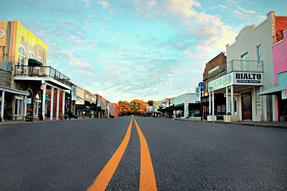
(276,126)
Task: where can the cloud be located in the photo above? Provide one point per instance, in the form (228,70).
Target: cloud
(104,3)
(248,15)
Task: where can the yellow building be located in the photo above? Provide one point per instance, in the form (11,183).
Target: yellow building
(23,58)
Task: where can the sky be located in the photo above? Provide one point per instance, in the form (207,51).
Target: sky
(144,49)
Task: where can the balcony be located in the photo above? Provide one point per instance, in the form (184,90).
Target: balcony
(34,72)
(245,66)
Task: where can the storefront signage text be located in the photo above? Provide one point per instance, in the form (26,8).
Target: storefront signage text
(246,78)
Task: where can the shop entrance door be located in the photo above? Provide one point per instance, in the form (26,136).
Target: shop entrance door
(246,106)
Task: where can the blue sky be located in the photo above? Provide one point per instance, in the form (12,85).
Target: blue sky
(148,49)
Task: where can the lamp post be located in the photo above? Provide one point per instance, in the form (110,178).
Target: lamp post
(201,87)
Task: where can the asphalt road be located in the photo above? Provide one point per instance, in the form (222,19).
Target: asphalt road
(69,155)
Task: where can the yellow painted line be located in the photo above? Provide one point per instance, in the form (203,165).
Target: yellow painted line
(103,179)
(147,176)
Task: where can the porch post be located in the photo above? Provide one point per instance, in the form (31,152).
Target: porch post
(63,103)
(209,102)
(24,107)
(52,103)
(44,101)
(227,101)
(232,101)
(213,103)
(58,99)
(2,105)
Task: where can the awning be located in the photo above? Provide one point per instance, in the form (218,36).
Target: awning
(282,85)
(14,91)
(33,62)
(271,91)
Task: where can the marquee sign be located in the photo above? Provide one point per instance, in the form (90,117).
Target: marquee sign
(236,78)
(248,78)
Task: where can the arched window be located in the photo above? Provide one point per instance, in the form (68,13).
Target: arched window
(32,55)
(21,58)
(40,59)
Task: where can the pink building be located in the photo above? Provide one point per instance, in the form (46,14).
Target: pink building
(280,77)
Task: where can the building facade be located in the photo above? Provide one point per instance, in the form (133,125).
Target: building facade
(279,90)
(31,80)
(214,69)
(249,70)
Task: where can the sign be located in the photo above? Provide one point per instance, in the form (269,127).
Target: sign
(248,78)
(284,94)
(201,86)
(221,82)
(236,78)
(73,93)
(2,33)
(28,101)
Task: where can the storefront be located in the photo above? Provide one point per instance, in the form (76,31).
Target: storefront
(241,100)
(280,91)
(12,102)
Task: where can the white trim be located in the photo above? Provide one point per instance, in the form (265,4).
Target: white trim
(43,79)
(14,91)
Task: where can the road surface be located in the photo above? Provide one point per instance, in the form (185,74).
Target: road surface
(156,154)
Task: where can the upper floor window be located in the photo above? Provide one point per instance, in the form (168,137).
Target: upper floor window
(259,53)
(32,55)
(244,59)
(21,58)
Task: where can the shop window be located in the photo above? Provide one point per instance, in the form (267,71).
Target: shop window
(18,106)
(259,53)
(235,106)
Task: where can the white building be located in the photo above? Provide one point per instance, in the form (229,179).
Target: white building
(249,71)
(187,103)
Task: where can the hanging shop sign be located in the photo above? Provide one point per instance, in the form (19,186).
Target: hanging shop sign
(284,94)
(247,78)
(28,100)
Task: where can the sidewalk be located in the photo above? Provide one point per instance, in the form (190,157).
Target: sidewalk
(282,125)
(36,121)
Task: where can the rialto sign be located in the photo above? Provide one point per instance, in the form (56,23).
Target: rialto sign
(248,78)
(237,78)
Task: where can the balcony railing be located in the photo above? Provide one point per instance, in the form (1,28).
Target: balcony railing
(245,66)
(40,71)
(6,67)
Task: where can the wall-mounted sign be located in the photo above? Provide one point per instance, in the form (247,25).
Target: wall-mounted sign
(248,78)
(2,33)
(73,93)
(236,78)
(284,94)
(221,82)
(28,100)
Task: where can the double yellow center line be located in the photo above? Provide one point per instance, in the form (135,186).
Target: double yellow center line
(147,176)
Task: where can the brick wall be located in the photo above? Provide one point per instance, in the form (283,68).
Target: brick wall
(281,25)
(5,78)
(220,61)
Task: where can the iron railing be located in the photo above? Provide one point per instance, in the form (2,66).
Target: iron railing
(245,66)
(40,71)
